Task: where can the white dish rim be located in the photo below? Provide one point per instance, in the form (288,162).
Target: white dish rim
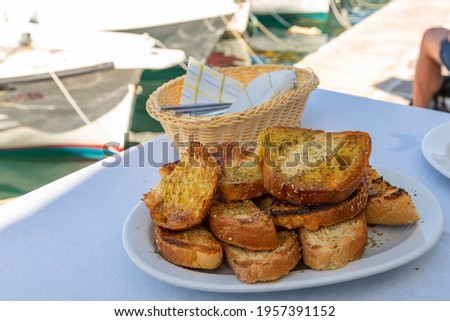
(427,152)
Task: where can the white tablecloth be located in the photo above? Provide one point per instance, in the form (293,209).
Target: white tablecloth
(64,240)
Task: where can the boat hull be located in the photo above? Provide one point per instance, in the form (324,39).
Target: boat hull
(193,26)
(196,38)
(285,13)
(36,115)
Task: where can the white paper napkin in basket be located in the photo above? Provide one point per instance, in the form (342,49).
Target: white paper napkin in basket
(203,84)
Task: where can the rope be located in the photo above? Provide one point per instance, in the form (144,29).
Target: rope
(74,104)
(281,20)
(339,18)
(69,98)
(276,39)
(243,43)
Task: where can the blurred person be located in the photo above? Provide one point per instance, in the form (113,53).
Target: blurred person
(434,53)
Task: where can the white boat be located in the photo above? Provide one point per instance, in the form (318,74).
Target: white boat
(239,22)
(285,12)
(193,26)
(70,90)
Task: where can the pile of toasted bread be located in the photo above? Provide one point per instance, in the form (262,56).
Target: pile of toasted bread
(296,194)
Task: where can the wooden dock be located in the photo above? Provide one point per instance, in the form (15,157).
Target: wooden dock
(376,58)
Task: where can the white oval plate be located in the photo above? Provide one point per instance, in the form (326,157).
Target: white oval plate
(436,148)
(388,248)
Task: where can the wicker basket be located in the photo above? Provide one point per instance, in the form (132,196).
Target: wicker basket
(244,126)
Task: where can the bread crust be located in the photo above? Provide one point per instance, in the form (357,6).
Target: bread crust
(167,169)
(293,177)
(242,224)
(241,174)
(264,201)
(313,217)
(322,252)
(262,266)
(194,248)
(288,192)
(171,202)
(392,208)
(241,191)
(387,204)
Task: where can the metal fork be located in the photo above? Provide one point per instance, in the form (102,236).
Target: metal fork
(206,109)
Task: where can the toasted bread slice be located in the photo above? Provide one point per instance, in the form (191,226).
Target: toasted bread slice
(243,224)
(167,169)
(181,199)
(242,177)
(312,217)
(313,167)
(193,248)
(264,201)
(259,266)
(388,204)
(334,246)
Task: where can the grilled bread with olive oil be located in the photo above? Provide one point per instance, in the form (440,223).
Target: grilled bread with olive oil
(167,169)
(181,199)
(387,204)
(313,167)
(312,217)
(334,246)
(261,266)
(242,177)
(243,224)
(195,248)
